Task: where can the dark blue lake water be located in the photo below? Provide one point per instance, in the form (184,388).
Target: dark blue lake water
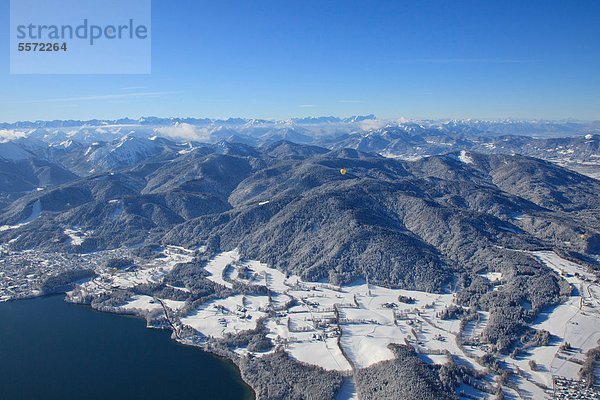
(53,350)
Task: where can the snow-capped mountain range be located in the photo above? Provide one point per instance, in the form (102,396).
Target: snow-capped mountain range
(95,146)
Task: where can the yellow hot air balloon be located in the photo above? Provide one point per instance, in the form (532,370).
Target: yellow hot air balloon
(343,171)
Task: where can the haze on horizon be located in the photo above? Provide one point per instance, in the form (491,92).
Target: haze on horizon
(276,60)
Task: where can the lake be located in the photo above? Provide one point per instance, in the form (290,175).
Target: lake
(50,350)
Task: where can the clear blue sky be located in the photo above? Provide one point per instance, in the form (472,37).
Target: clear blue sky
(284,58)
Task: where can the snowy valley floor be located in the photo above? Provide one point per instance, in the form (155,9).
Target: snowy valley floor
(344,328)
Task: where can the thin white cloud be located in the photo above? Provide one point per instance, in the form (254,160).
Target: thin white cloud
(184,131)
(8,135)
(115,96)
(307,105)
(465,61)
(371,124)
(352,101)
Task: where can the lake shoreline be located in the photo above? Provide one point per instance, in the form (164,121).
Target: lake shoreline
(43,322)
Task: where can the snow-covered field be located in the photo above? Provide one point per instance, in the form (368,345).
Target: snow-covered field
(337,328)
(231,315)
(325,353)
(465,157)
(76,236)
(216,267)
(576,322)
(493,276)
(142,304)
(36,210)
